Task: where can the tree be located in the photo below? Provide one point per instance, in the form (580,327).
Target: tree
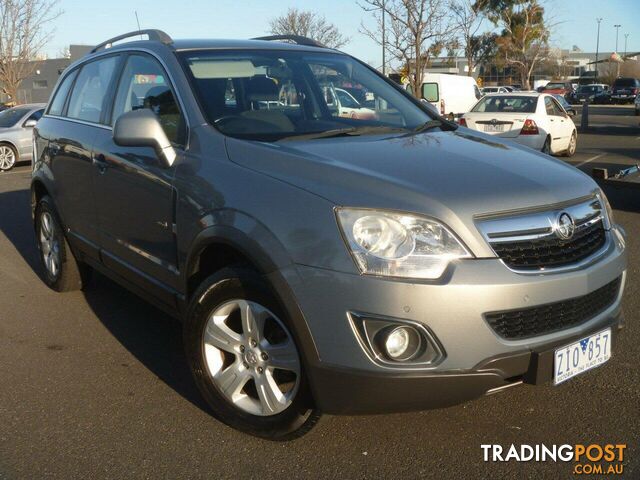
(468,18)
(308,24)
(23,33)
(416,30)
(523,42)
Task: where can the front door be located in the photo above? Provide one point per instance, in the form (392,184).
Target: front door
(134,193)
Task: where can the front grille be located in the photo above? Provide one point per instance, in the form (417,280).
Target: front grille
(543,319)
(552,252)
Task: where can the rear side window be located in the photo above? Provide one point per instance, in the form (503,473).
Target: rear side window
(144,84)
(89,92)
(57,105)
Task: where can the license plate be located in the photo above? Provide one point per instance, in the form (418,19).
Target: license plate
(585,354)
(494,128)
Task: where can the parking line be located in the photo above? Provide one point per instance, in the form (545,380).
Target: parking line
(15,173)
(590,160)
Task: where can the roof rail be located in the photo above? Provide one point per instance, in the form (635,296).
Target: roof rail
(156,35)
(299,39)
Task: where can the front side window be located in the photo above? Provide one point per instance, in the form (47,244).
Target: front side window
(37,115)
(144,84)
(271,95)
(8,118)
(57,105)
(90,90)
(430,92)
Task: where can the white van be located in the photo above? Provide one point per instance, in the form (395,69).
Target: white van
(451,94)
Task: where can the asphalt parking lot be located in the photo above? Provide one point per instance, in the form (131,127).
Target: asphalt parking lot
(94,384)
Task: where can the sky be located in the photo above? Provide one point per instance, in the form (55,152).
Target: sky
(90,21)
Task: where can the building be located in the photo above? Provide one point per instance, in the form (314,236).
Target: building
(37,87)
(561,64)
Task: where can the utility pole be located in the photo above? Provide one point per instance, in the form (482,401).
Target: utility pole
(617,30)
(384,40)
(597,46)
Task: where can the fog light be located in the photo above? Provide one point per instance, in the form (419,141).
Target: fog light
(401,343)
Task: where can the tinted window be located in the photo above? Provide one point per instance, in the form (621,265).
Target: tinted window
(61,95)
(90,90)
(8,118)
(37,115)
(554,86)
(144,84)
(506,104)
(625,82)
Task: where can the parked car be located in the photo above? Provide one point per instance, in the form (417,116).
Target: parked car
(596,93)
(16,125)
(566,106)
(625,90)
(532,119)
(453,95)
(560,88)
(345,104)
(320,263)
(487,90)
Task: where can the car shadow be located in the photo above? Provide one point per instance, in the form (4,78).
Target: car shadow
(151,336)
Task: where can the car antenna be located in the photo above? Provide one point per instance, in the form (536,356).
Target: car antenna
(138,22)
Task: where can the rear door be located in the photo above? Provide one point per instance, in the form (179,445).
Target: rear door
(134,191)
(560,124)
(69,129)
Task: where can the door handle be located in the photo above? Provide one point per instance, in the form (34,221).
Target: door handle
(101,163)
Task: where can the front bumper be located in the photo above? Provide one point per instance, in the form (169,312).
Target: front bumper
(344,379)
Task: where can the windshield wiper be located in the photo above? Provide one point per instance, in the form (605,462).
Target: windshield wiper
(345,132)
(431,124)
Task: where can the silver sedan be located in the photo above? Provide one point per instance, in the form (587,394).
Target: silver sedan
(16,125)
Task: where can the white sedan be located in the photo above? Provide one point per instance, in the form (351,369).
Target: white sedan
(532,119)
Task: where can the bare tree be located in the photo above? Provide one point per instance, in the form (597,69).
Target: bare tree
(468,18)
(23,34)
(524,41)
(308,24)
(416,31)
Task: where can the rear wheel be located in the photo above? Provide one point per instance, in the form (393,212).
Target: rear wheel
(8,157)
(573,143)
(244,357)
(62,272)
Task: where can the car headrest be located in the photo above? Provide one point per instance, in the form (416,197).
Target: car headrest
(262,88)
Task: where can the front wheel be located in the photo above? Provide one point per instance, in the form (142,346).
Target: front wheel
(573,143)
(244,357)
(8,157)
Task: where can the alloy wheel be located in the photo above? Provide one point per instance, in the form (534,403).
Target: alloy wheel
(251,357)
(49,245)
(7,157)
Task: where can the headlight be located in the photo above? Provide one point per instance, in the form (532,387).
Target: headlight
(607,206)
(397,244)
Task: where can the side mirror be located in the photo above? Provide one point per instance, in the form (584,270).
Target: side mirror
(571,112)
(141,128)
(30,123)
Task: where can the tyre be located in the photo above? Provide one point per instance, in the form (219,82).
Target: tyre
(8,157)
(637,111)
(546,148)
(244,358)
(573,144)
(61,271)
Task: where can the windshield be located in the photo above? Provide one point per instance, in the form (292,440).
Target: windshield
(588,89)
(274,94)
(9,118)
(506,104)
(554,86)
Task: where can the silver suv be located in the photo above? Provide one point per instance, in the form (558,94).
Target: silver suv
(381,261)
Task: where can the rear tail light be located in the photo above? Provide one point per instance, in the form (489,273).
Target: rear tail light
(634,91)
(529,128)
(462,122)
(442,110)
